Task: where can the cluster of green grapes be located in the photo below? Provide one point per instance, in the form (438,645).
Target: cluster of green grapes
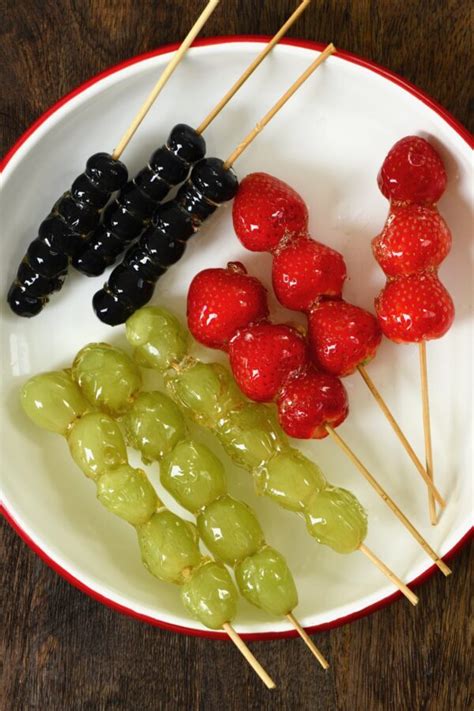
(169,545)
(108,379)
(190,472)
(248,432)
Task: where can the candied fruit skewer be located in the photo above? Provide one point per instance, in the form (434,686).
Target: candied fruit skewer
(414,306)
(212,182)
(77,212)
(129,214)
(250,435)
(193,475)
(270,364)
(309,276)
(169,545)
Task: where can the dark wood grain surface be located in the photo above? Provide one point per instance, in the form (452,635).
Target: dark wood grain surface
(60,649)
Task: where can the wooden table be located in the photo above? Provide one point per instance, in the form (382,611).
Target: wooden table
(61,649)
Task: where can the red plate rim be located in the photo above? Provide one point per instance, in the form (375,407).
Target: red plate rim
(306,44)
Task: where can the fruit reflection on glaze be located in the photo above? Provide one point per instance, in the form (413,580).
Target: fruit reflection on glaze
(53,401)
(157,337)
(169,546)
(254,440)
(127,493)
(335,517)
(96,444)
(107,376)
(251,435)
(153,425)
(209,595)
(290,479)
(193,475)
(264,580)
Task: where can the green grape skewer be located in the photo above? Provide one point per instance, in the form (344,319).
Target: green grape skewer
(194,476)
(169,545)
(251,437)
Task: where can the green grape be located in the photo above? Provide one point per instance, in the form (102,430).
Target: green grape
(206,390)
(96,444)
(53,401)
(193,475)
(251,435)
(209,595)
(230,529)
(107,376)
(290,479)
(265,580)
(335,517)
(154,425)
(169,547)
(158,338)
(127,493)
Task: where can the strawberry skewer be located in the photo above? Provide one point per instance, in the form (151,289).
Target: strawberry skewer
(308,276)
(227,309)
(414,306)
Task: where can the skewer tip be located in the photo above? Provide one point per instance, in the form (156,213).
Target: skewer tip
(251,659)
(308,641)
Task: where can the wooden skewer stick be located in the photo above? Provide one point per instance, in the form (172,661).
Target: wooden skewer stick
(330,49)
(409,594)
(308,641)
(170,67)
(245,651)
(389,501)
(396,427)
(427,428)
(252,67)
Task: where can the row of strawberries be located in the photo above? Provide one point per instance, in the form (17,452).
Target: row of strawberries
(227,308)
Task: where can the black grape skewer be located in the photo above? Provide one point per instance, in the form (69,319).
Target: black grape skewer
(130,213)
(212,182)
(77,212)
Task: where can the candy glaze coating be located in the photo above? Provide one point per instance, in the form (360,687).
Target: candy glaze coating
(265,580)
(193,475)
(209,595)
(107,376)
(169,546)
(53,401)
(230,529)
(154,425)
(96,444)
(335,517)
(127,493)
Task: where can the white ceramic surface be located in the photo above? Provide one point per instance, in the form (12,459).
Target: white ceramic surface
(328,143)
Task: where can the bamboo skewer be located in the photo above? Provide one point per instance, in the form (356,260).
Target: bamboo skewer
(169,69)
(252,67)
(308,641)
(245,651)
(409,594)
(396,427)
(389,501)
(427,428)
(330,49)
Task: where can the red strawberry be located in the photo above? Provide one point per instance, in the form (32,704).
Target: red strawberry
(413,239)
(220,301)
(266,210)
(262,356)
(412,171)
(414,308)
(305,270)
(308,401)
(342,336)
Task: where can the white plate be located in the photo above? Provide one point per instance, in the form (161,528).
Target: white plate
(328,143)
